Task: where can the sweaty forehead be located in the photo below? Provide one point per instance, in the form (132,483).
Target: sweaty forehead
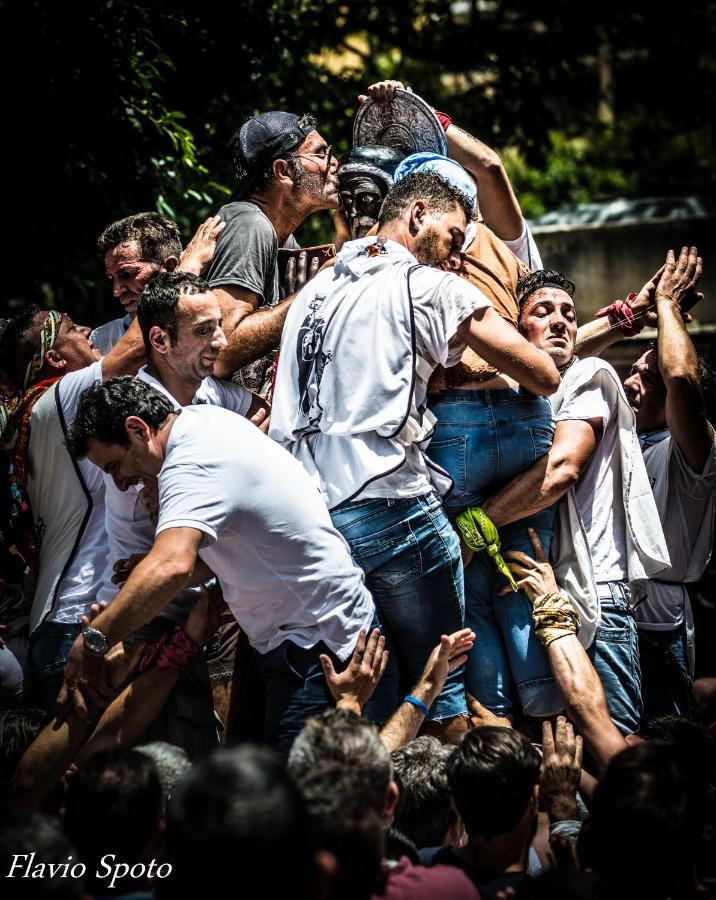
(198,306)
(123,254)
(551,295)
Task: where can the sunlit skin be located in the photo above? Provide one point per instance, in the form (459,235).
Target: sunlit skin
(129,274)
(142,459)
(646,393)
(191,356)
(72,349)
(438,240)
(549,322)
(319,183)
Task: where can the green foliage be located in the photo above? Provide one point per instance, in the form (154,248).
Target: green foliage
(114,106)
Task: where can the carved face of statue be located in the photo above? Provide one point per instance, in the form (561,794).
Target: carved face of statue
(361,199)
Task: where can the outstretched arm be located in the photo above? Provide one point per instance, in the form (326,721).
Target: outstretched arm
(550,477)
(501,345)
(678,361)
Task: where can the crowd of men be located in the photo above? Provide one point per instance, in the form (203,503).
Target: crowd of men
(391,530)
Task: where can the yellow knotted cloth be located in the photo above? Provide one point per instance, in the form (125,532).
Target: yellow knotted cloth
(479,533)
(553,617)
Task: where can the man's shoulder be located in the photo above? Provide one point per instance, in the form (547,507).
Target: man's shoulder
(416,882)
(248,214)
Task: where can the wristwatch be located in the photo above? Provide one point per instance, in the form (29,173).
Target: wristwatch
(95,641)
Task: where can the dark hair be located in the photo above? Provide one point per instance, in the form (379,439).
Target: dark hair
(640,833)
(157,237)
(492,775)
(438,194)
(105,406)
(424,812)
(535,281)
(340,737)
(114,804)
(343,823)
(16,349)
(159,300)
(18,729)
(23,833)
(238,808)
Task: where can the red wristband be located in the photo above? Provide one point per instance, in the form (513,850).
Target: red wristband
(444,119)
(623,315)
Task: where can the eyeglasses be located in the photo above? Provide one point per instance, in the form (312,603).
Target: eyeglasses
(325,153)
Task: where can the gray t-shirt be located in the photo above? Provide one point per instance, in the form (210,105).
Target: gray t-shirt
(245,256)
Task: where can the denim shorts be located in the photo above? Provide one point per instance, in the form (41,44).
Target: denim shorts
(411,557)
(615,653)
(483,439)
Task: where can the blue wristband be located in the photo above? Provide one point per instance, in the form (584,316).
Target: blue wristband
(419,703)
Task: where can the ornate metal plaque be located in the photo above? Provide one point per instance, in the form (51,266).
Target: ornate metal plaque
(407,123)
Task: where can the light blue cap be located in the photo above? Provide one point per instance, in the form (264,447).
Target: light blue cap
(443,166)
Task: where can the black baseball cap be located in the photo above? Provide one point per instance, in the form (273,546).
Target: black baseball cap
(263,138)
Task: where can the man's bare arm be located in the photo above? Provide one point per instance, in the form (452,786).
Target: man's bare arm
(678,361)
(498,204)
(251,333)
(127,356)
(501,345)
(550,477)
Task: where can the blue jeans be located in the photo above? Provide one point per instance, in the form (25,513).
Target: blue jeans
(483,439)
(615,654)
(50,646)
(296,689)
(667,681)
(411,557)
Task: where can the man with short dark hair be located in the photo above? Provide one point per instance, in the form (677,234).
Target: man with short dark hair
(235,501)
(285,172)
(180,320)
(358,349)
(494,779)
(608,540)
(133,250)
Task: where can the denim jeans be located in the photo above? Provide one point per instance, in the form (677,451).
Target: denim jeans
(411,557)
(615,653)
(666,682)
(483,439)
(296,689)
(50,646)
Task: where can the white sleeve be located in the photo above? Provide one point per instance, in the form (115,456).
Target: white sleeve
(587,402)
(234,397)
(525,249)
(190,497)
(73,384)
(441,302)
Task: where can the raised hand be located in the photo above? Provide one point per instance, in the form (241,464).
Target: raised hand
(680,276)
(353,687)
(200,250)
(561,769)
(382,91)
(535,576)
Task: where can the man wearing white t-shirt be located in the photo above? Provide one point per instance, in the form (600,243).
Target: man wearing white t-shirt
(358,348)
(608,538)
(233,499)
(664,390)
(53,360)
(180,320)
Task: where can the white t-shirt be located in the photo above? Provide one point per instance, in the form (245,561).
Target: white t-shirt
(599,489)
(106,336)
(439,305)
(81,583)
(685,500)
(286,572)
(129,527)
